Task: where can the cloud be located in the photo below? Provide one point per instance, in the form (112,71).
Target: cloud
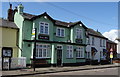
(112,35)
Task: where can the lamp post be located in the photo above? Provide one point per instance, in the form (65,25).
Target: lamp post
(34,49)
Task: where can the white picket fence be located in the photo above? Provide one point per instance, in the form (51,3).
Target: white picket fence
(18,62)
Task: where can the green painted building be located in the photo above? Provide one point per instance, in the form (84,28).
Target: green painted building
(58,42)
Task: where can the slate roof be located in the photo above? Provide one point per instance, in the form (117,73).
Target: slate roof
(7,24)
(28,16)
(95,33)
(56,22)
(109,41)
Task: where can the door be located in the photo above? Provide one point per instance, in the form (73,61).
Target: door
(59,55)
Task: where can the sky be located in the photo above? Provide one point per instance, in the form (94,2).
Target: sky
(101,16)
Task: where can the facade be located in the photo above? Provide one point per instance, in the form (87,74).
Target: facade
(8,39)
(111,47)
(58,43)
(96,46)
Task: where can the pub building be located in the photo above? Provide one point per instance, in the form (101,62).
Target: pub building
(57,43)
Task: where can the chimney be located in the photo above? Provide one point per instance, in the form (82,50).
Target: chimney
(10,13)
(20,9)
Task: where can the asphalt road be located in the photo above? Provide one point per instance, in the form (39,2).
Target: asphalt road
(111,72)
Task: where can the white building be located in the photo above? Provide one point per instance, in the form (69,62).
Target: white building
(96,45)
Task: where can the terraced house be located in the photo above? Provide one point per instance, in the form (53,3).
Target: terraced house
(58,43)
(96,46)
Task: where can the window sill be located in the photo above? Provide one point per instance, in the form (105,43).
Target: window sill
(69,58)
(41,58)
(80,58)
(60,36)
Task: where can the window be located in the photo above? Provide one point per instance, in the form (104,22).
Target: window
(80,52)
(78,33)
(88,40)
(103,42)
(42,51)
(100,42)
(44,28)
(93,40)
(88,55)
(69,53)
(60,32)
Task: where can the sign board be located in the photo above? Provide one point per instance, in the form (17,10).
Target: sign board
(7,53)
(44,37)
(33,32)
(111,54)
(111,50)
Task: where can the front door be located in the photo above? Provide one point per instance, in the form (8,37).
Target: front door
(59,55)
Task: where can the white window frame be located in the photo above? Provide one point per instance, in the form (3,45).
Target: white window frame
(80,52)
(42,48)
(60,32)
(80,33)
(43,28)
(69,51)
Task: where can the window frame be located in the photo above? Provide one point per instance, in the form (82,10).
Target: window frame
(42,48)
(68,51)
(43,28)
(78,52)
(80,32)
(93,41)
(60,32)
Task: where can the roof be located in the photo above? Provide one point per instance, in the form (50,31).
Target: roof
(95,33)
(109,41)
(28,16)
(7,24)
(56,22)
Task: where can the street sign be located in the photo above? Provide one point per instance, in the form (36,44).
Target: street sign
(111,50)
(111,55)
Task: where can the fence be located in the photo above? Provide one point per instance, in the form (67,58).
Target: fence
(15,63)
(18,62)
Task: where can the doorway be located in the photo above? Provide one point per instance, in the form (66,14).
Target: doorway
(59,55)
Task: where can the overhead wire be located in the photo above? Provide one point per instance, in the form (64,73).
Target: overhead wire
(76,14)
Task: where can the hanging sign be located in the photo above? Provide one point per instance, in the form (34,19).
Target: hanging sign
(33,32)
(111,55)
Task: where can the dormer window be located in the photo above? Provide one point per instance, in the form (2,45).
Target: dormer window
(44,28)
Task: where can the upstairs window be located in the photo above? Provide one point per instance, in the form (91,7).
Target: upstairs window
(100,42)
(60,32)
(44,28)
(103,43)
(78,33)
(93,41)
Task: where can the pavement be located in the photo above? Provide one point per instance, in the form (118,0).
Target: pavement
(44,70)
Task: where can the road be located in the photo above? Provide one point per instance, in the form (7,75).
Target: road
(105,71)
